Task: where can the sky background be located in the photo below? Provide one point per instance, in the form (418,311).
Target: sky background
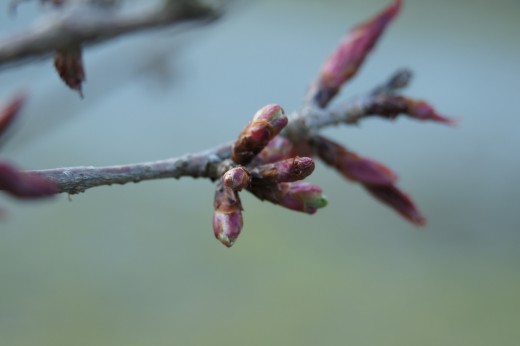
(138,264)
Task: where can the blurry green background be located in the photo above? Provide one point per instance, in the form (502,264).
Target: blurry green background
(138,264)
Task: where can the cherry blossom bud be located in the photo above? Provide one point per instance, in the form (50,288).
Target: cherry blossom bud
(9,113)
(288,170)
(227,219)
(299,196)
(236,178)
(399,201)
(266,124)
(421,110)
(69,65)
(279,148)
(390,106)
(351,165)
(23,185)
(344,63)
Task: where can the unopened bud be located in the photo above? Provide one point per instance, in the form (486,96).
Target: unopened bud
(351,165)
(390,106)
(399,201)
(288,170)
(266,124)
(299,196)
(344,63)
(236,178)
(421,110)
(9,113)
(227,220)
(279,148)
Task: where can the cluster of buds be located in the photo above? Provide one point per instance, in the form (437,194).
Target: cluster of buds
(267,167)
(339,68)
(377,179)
(13,181)
(270,165)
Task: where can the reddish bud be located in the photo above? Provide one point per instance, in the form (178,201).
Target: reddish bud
(9,113)
(236,178)
(344,63)
(23,185)
(299,196)
(399,201)
(289,170)
(279,148)
(266,124)
(421,110)
(227,220)
(351,165)
(390,106)
(69,64)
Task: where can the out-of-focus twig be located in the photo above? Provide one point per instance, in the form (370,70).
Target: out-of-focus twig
(79,23)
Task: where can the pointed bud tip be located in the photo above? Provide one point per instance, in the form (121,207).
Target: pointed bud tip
(417,218)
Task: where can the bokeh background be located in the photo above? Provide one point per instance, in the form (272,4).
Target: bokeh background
(138,264)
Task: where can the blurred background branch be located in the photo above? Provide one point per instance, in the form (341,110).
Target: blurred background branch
(86,22)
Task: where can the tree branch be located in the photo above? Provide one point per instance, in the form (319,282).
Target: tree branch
(86,23)
(211,163)
(311,119)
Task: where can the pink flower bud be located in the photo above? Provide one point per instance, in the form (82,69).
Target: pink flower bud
(421,110)
(344,63)
(236,178)
(227,226)
(399,201)
(351,165)
(23,185)
(279,148)
(69,65)
(266,124)
(390,106)
(288,170)
(9,113)
(299,196)
(227,219)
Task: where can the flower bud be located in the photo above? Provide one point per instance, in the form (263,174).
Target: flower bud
(24,185)
(279,148)
(9,113)
(69,65)
(344,63)
(266,124)
(299,196)
(288,170)
(351,165)
(390,106)
(421,110)
(399,201)
(236,178)
(227,219)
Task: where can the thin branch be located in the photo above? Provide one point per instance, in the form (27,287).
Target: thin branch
(311,119)
(86,23)
(211,163)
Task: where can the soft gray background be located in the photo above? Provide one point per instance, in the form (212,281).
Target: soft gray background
(138,265)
